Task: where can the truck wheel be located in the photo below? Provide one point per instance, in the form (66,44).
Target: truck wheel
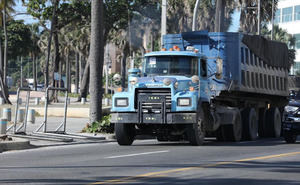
(290,138)
(250,124)
(262,122)
(162,138)
(233,132)
(196,133)
(273,122)
(219,134)
(125,133)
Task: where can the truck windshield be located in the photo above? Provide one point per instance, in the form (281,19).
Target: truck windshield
(167,65)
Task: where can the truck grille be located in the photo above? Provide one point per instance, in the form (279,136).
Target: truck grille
(152,99)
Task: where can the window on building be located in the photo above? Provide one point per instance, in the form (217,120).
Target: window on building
(297,39)
(297,13)
(287,14)
(277,16)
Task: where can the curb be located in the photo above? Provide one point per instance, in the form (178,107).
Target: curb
(16,144)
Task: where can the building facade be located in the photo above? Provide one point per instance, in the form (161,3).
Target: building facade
(287,17)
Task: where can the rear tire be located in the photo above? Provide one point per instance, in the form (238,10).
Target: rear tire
(233,132)
(262,121)
(273,122)
(250,124)
(290,138)
(125,133)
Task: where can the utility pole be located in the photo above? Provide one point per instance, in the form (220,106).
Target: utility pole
(195,15)
(21,82)
(258,19)
(163,19)
(272,32)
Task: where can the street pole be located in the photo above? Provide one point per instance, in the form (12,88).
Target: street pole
(258,20)
(272,32)
(163,19)
(195,15)
(21,72)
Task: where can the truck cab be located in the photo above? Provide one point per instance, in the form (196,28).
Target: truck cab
(163,99)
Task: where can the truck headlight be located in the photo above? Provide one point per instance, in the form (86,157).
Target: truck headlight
(133,80)
(121,102)
(184,102)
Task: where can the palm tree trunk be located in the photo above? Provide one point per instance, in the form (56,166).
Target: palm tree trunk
(1,57)
(34,71)
(5,45)
(96,58)
(77,72)
(4,90)
(123,68)
(84,84)
(53,24)
(219,16)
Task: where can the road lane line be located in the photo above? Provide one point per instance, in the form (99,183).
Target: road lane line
(137,154)
(155,174)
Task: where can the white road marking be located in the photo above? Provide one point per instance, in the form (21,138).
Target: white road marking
(137,154)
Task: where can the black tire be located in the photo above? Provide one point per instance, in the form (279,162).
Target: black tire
(273,122)
(262,121)
(195,132)
(219,134)
(233,132)
(125,133)
(250,124)
(162,138)
(290,138)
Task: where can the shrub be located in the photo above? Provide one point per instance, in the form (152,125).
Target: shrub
(103,126)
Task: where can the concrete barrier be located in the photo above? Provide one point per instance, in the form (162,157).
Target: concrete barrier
(20,101)
(31,116)
(3,126)
(83,101)
(20,117)
(37,101)
(6,114)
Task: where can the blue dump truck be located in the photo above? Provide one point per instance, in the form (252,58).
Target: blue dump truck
(231,86)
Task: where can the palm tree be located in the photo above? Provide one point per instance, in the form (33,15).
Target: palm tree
(249,15)
(96,58)
(180,14)
(5,7)
(282,35)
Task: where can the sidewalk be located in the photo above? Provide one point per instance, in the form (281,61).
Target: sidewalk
(74,127)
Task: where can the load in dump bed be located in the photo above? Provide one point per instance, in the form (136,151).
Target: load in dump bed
(227,85)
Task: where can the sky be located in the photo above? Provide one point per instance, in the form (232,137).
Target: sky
(29,19)
(21,9)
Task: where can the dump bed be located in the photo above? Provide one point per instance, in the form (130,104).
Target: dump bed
(251,64)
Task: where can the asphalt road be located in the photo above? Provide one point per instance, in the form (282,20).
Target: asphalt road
(150,162)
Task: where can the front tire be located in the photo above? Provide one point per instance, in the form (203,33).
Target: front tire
(125,133)
(195,132)
(290,138)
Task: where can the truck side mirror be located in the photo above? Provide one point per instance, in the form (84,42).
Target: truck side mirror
(219,68)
